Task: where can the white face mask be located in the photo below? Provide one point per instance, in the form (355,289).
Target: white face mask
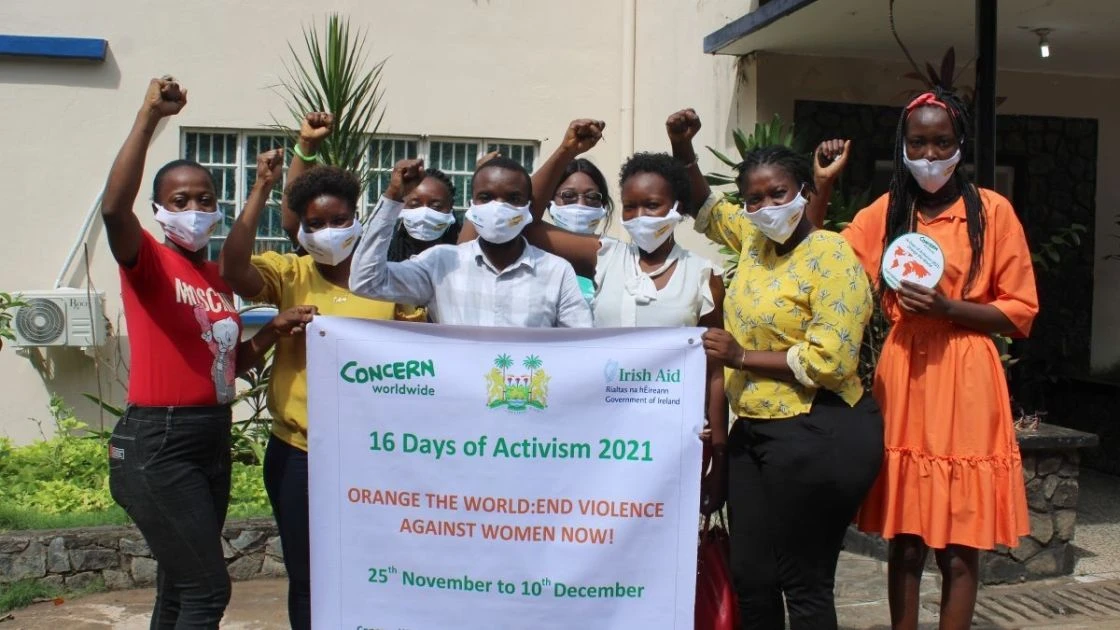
(426,224)
(576,217)
(189,229)
(779,222)
(931,176)
(498,222)
(330,246)
(649,233)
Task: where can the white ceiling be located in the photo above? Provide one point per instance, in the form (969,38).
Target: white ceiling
(1084,37)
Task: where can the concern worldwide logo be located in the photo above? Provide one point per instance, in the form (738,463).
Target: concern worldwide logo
(517,392)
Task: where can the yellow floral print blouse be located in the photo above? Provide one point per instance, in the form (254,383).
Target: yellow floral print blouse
(813,304)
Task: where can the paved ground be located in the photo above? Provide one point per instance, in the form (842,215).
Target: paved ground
(861,601)
(1088,600)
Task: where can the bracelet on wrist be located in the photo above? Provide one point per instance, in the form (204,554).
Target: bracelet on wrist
(314,157)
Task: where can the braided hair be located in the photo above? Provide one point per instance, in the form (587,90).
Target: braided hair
(404,246)
(904,189)
(797,165)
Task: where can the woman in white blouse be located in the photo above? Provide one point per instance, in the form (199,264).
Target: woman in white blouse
(650,281)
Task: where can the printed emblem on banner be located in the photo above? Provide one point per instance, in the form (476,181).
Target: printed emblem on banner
(517,392)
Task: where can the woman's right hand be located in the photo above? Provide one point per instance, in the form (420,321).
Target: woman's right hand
(164,98)
(315,128)
(270,164)
(683,126)
(831,157)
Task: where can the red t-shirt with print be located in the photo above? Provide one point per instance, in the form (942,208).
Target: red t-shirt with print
(183,330)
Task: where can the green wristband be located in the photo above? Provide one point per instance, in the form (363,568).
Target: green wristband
(306,158)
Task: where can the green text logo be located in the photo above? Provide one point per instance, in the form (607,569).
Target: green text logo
(352,372)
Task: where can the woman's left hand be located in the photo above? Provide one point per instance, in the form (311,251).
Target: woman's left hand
(721,346)
(922,300)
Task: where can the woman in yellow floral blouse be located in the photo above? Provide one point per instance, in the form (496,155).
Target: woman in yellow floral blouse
(807,443)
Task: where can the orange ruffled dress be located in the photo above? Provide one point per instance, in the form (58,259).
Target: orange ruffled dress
(952,472)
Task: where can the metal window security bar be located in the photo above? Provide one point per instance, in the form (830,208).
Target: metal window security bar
(231,156)
(454,156)
(232,159)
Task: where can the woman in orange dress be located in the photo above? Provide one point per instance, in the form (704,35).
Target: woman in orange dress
(952,477)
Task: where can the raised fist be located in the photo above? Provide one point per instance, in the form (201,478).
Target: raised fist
(316,127)
(582,135)
(270,165)
(406,176)
(165,97)
(682,126)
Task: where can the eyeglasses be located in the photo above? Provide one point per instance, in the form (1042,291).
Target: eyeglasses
(593,199)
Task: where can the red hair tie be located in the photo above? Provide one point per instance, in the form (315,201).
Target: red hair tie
(927,99)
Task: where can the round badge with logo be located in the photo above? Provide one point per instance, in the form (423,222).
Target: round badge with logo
(913,257)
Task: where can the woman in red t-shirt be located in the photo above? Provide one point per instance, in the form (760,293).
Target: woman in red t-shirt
(169,457)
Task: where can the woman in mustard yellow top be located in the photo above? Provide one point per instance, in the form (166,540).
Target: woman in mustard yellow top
(807,443)
(325,199)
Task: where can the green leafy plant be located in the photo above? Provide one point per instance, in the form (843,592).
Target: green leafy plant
(249,436)
(774,132)
(63,481)
(24,593)
(333,75)
(8,303)
(1049,253)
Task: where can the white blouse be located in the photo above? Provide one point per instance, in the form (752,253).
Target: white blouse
(626,297)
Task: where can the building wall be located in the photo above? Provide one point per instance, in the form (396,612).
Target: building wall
(480,68)
(784,79)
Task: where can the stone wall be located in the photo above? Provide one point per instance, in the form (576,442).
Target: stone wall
(1052,490)
(119,557)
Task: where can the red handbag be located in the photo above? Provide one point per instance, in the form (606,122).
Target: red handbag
(716,605)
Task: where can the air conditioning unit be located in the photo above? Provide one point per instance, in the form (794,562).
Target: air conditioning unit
(59,317)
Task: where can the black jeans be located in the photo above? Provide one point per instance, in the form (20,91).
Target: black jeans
(285,479)
(169,468)
(795,485)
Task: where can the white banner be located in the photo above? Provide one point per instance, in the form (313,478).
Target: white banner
(474,478)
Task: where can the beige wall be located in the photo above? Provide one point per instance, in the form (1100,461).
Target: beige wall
(783,79)
(477,68)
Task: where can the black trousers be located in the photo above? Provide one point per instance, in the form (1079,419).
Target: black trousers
(169,468)
(795,485)
(285,479)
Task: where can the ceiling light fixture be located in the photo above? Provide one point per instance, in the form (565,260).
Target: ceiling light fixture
(1043,42)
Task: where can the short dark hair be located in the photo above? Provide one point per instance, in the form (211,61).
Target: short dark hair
(174,164)
(324,180)
(505,163)
(797,165)
(661,164)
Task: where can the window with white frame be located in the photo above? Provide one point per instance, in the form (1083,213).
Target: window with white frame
(454,156)
(231,155)
(232,158)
